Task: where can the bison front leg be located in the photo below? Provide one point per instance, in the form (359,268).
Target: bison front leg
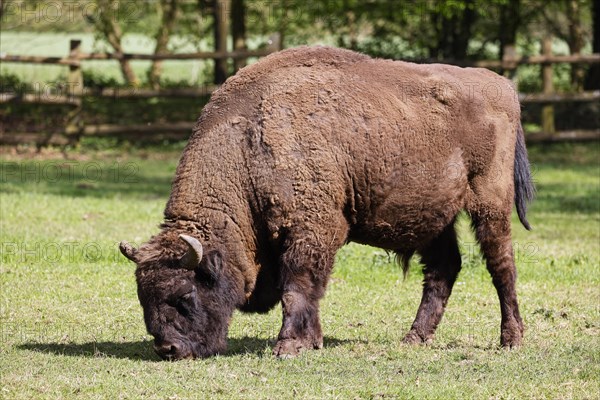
(306,264)
(442,264)
(301,329)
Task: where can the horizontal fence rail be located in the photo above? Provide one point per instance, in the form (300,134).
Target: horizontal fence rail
(512,62)
(593,95)
(76,61)
(72,96)
(505,63)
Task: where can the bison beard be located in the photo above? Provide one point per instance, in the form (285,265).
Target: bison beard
(311,148)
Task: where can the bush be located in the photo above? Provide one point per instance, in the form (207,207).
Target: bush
(95,79)
(10,82)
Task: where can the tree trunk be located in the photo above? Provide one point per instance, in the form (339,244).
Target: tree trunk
(221,31)
(107,25)
(352,29)
(453,33)
(442,28)
(283,22)
(462,31)
(238,31)
(592,81)
(169,10)
(576,42)
(510,19)
(445,37)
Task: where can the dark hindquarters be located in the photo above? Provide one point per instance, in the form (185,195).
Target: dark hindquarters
(442,264)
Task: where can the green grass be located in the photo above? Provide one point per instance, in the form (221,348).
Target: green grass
(71,325)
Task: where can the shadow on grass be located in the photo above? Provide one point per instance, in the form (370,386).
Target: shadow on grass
(262,347)
(562,198)
(101,179)
(142,350)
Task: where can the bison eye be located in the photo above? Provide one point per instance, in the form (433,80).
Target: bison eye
(185,303)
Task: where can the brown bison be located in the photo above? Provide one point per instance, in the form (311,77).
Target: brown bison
(309,149)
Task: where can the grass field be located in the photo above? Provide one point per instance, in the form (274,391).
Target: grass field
(71,325)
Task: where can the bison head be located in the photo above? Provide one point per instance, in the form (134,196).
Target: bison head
(185,294)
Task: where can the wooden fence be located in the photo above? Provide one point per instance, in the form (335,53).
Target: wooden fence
(72,93)
(75,128)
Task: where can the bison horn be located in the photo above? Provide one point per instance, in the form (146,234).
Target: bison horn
(191,258)
(128,250)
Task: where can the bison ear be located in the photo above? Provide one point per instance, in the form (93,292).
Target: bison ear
(211,266)
(128,251)
(192,257)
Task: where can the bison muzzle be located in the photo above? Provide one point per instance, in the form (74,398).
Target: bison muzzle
(311,148)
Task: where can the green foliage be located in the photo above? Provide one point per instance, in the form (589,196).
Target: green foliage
(77,16)
(96,79)
(71,326)
(384,28)
(11,82)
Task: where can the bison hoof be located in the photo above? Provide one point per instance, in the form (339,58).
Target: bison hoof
(511,334)
(412,337)
(289,348)
(511,340)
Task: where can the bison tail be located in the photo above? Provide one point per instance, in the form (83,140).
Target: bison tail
(524,187)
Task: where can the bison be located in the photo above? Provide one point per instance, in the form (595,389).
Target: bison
(314,147)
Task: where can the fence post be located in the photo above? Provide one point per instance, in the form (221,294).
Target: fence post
(509,64)
(75,81)
(548,88)
(274,42)
(74,124)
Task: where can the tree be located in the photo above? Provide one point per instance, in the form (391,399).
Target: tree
(510,20)
(563,20)
(220,10)
(592,81)
(169,11)
(221,34)
(576,42)
(238,30)
(452,23)
(108,26)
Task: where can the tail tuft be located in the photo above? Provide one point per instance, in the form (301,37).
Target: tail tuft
(524,187)
(403,258)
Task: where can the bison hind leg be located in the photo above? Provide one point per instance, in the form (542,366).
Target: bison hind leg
(494,236)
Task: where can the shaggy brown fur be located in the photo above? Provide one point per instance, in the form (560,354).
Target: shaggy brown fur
(311,148)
